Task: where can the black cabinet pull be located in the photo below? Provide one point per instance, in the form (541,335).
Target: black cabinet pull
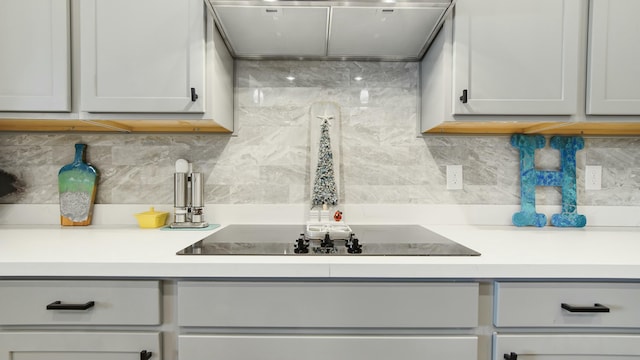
(596,308)
(145,355)
(512,356)
(58,305)
(464,98)
(194,96)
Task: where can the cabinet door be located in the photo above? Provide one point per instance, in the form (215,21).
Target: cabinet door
(567,347)
(34,66)
(517,57)
(614,56)
(31,345)
(142,55)
(318,347)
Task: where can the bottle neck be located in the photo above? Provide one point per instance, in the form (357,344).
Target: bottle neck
(79,156)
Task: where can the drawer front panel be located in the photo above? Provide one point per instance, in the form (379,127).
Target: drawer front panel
(531,304)
(201,347)
(328,304)
(48,345)
(79,302)
(570,346)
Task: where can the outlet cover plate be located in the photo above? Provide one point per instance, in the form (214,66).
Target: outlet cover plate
(454,177)
(593,177)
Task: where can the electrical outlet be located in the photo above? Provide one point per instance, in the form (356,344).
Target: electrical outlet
(454,177)
(593,177)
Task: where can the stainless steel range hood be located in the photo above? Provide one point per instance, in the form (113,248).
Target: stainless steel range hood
(317,29)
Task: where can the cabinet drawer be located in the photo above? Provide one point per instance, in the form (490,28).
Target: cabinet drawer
(314,347)
(567,346)
(328,304)
(541,304)
(64,302)
(49,345)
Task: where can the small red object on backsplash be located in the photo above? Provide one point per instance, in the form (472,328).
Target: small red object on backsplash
(337,216)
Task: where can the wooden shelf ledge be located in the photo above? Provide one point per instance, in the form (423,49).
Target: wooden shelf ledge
(114,126)
(544,128)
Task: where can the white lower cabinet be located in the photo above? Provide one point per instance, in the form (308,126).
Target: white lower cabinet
(328,304)
(567,304)
(80,319)
(566,347)
(539,320)
(58,345)
(322,347)
(73,302)
(317,320)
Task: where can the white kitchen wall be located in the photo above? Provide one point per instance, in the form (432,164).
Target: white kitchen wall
(266,161)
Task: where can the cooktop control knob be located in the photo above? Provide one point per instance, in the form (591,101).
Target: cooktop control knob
(327,242)
(353,245)
(301,246)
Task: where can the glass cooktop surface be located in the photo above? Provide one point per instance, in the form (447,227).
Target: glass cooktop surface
(377,240)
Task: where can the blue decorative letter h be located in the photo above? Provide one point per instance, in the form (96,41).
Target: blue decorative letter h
(565,178)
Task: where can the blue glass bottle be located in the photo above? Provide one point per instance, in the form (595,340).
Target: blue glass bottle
(77,184)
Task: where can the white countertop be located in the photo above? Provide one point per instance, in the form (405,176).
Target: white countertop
(507,252)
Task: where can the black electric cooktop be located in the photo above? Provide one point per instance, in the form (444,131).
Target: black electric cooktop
(377,240)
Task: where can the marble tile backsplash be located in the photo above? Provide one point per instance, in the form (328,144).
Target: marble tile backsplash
(267,159)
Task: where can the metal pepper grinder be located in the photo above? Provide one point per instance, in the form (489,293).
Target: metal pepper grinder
(188,199)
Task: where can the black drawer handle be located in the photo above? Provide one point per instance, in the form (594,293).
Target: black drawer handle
(145,355)
(596,308)
(512,356)
(58,305)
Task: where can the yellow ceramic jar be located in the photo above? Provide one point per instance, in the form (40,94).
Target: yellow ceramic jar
(152,219)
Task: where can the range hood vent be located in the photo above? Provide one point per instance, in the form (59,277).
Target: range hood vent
(339,30)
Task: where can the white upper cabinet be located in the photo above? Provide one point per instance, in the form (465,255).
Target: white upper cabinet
(568,68)
(516,57)
(34,65)
(270,30)
(142,56)
(614,58)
